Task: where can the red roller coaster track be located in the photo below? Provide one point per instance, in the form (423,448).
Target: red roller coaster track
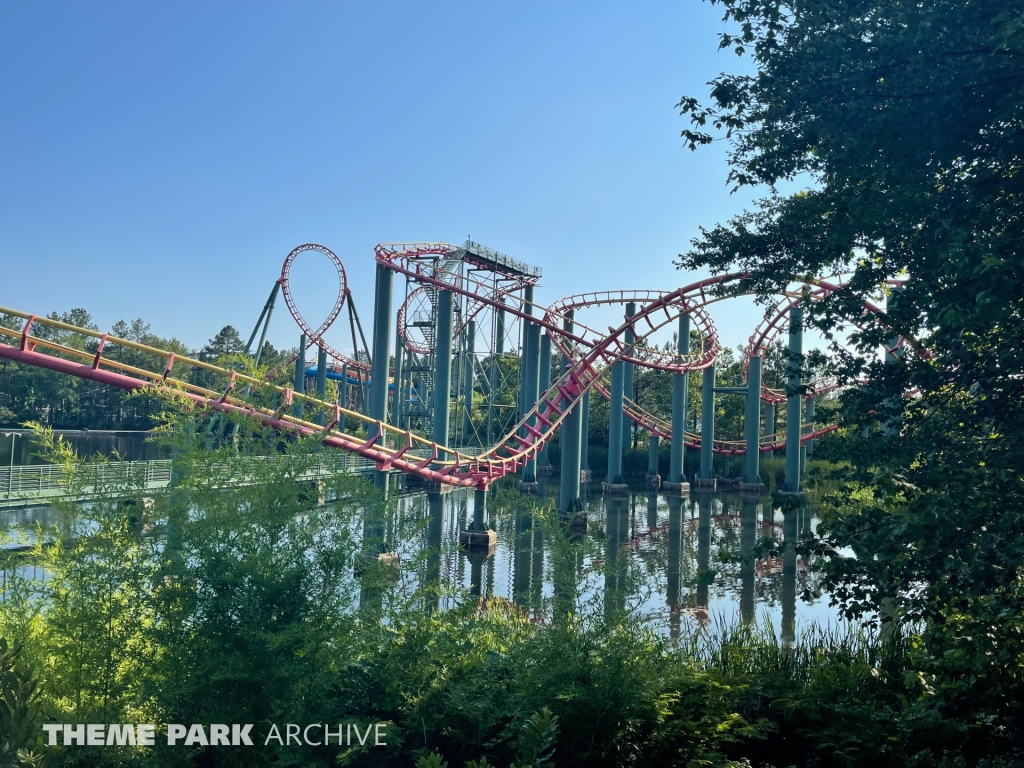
(392,448)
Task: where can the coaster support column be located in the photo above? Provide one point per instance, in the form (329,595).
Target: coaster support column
(442,368)
(321,380)
(397,393)
(467,396)
(531,363)
(379,363)
(680,398)
(569,482)
(752,422)
(300,375)
(543,385)
(615,421)
(628,373)
(794,401)
(707,426)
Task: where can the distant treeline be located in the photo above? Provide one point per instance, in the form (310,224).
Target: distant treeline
(65,402)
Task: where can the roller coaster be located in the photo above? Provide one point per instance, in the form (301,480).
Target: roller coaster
(465,335)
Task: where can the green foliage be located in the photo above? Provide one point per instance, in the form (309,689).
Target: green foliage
(65,402)
(537,742)
(906,121)
(19,708)
(236,596)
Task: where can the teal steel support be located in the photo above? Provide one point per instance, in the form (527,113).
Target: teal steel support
(769,426)
(479,506)
(268,310)
(543,384)
(707,424)
(809,420)
(499,350)
(680,402)
(794,401)
(569,482)
(531,364)
(343,395)
(628,371)
(615,423)
(528,309)
(379,363)
(652,456)
(467,395)
(752,420)
(443,367)
(300,375)
(397,393)
(407,390)
(585,432)
(499,332)
(321,380)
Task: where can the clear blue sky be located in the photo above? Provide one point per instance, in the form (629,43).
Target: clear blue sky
(160,159)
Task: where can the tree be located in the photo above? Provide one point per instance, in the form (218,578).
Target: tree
(226,342)
(906,119)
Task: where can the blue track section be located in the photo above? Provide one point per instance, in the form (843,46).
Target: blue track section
(311,374)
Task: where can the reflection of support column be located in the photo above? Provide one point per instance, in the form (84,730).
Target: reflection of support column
(652,510)
(476,572)
(617,517)
(521,557)
(752,427)
(478,537)
(789,533)
(794,401)
(569,439)
(531,364)
(585,437)
(544,383)
(769,426)
(615,424)
(372,556)
(704,575)
(680,397)
(748,537)
(321,380)
(442,367)
(379,373)
(467,396)
(300,375)
(627,381)
(435,526)
(397,416)
(653,479)
(675,549)
(706,476)
(537,569)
